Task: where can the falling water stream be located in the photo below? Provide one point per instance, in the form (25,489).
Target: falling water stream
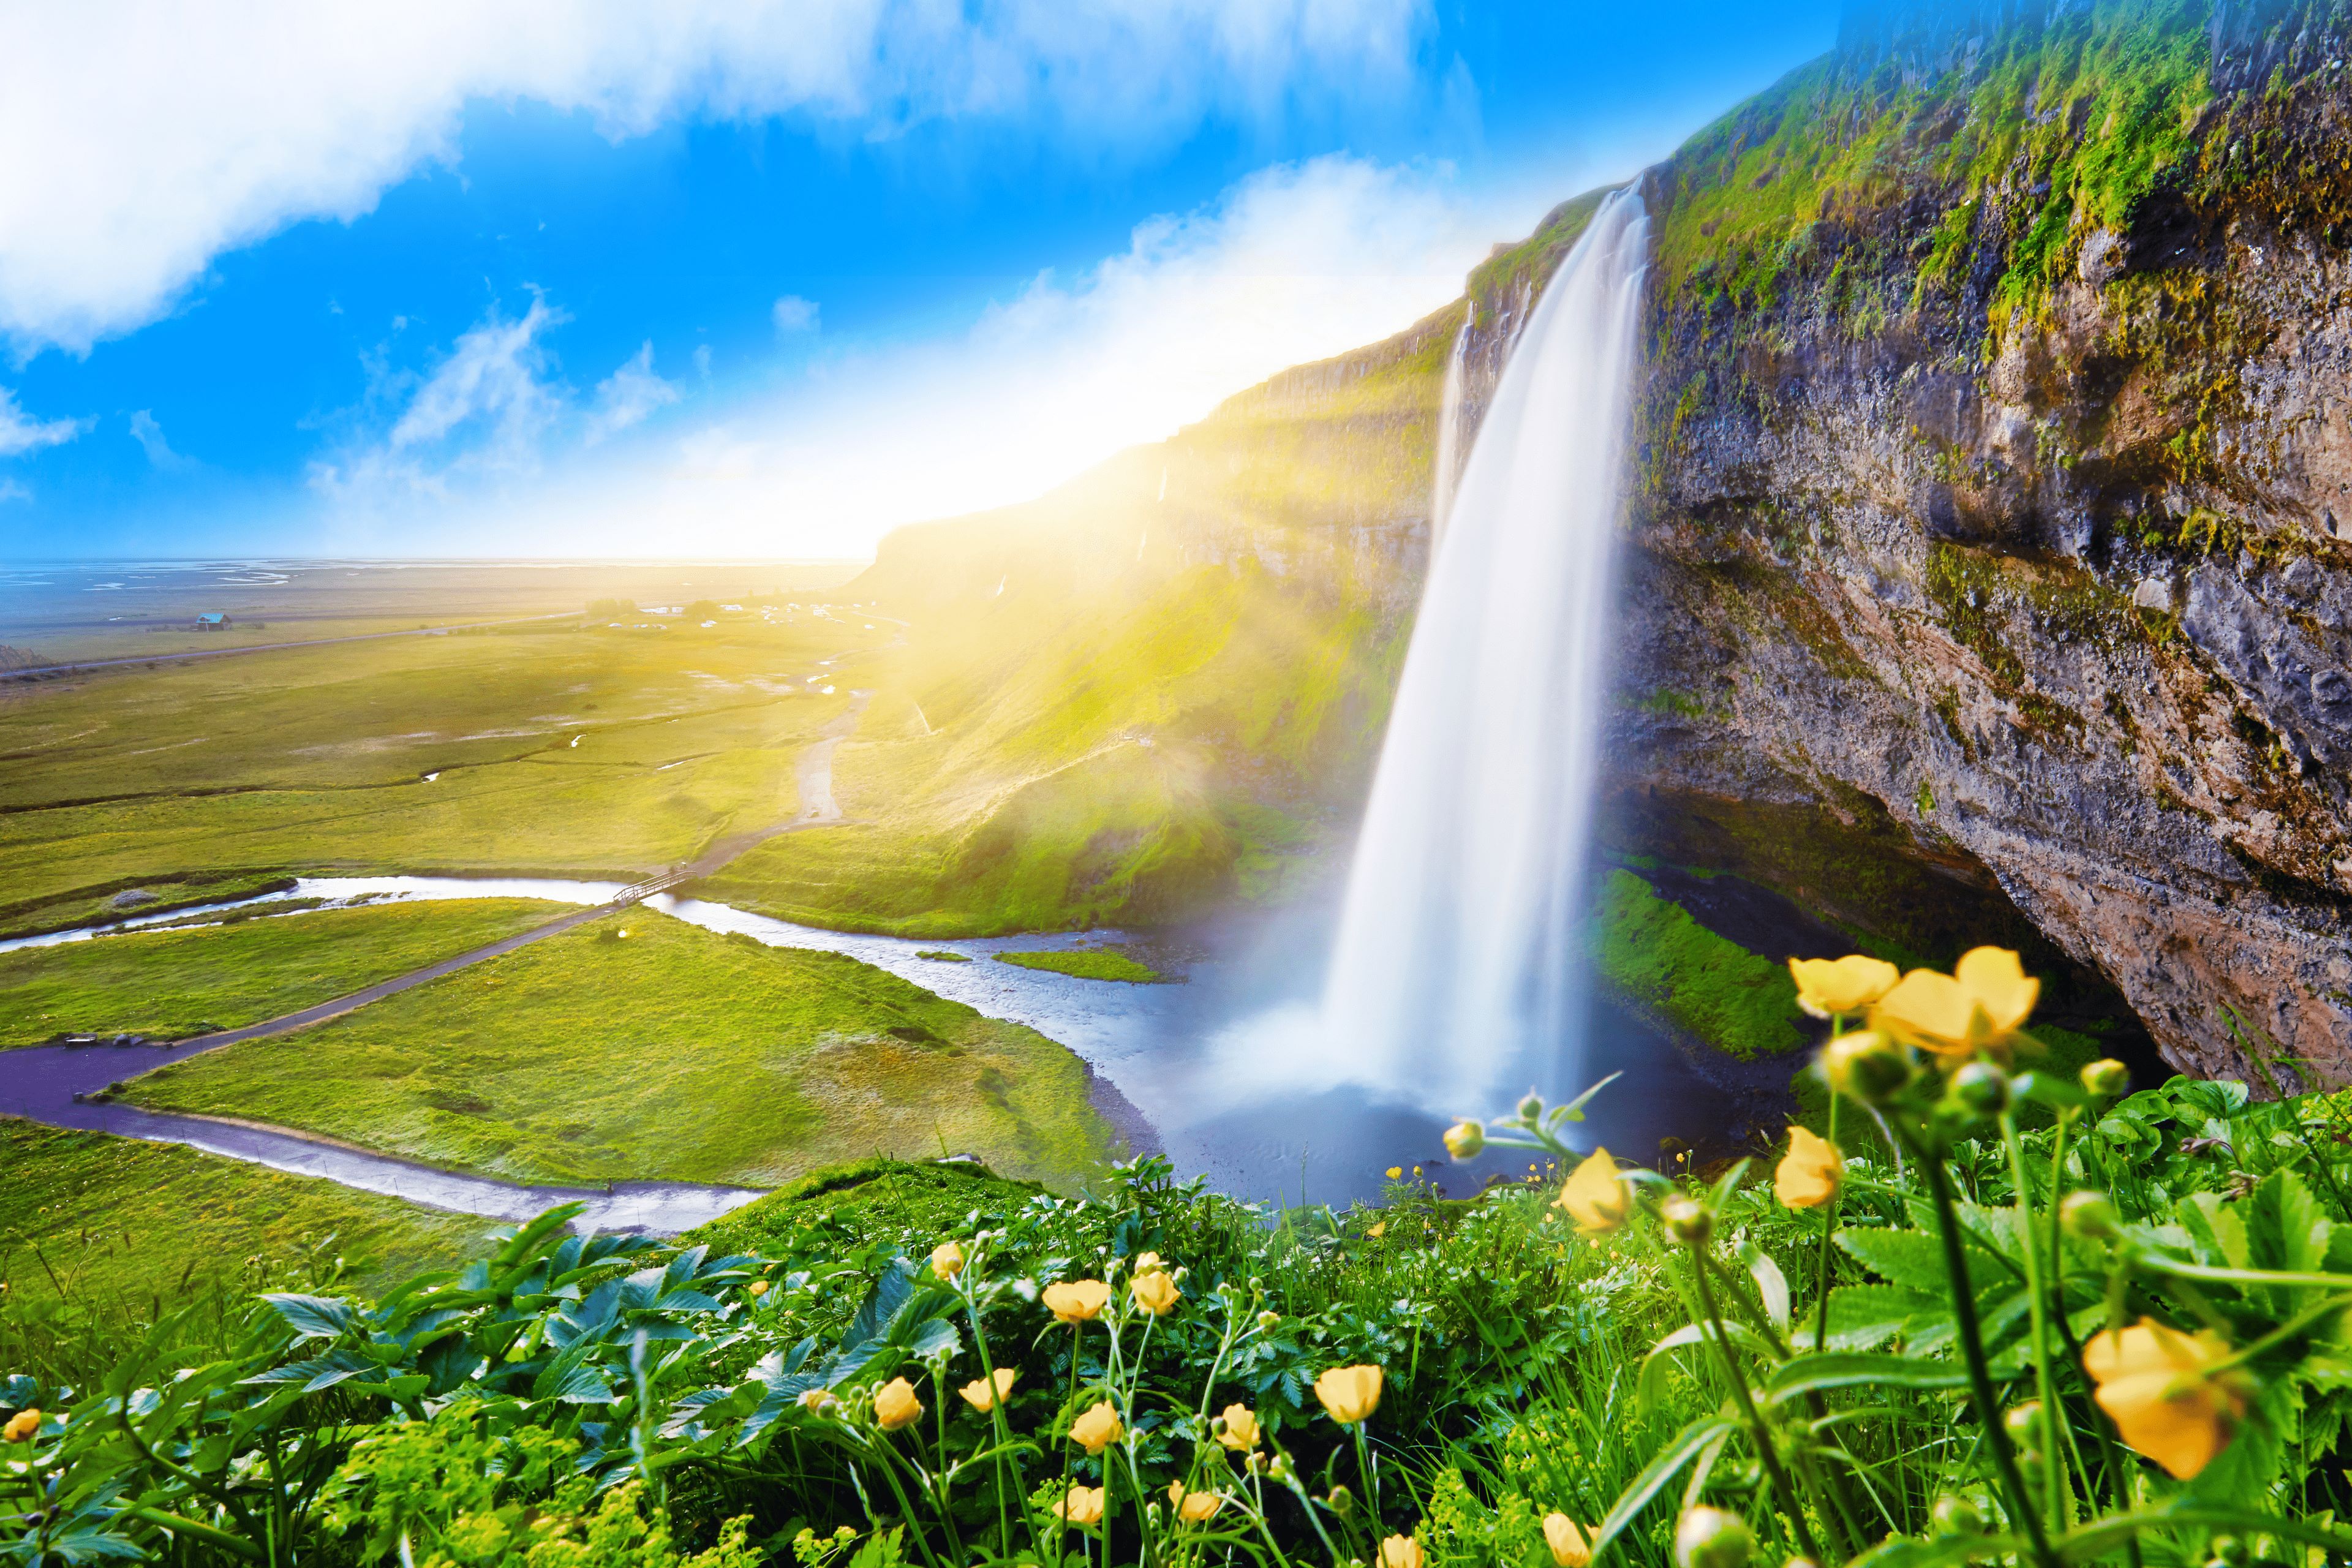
(1455,970)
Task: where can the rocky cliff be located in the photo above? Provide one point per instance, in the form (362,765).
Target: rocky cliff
(1995,493)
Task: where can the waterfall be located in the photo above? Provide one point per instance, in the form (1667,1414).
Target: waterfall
(1444,471)
(1458,961)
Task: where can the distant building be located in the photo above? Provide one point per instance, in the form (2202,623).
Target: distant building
(211,622)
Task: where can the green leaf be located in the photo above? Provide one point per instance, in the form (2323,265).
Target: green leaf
(1770,1283)
(313,1317)
(1652,1480)
(2285,1229)
(1906,1257)
(1862,1316)
(1841,1369)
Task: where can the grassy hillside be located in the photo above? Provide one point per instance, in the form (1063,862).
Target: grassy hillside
(169,985)
(101,1222)
(672,1053)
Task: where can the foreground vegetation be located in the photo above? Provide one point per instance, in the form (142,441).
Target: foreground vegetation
(2119,1338)
(170,984)
(671,1052)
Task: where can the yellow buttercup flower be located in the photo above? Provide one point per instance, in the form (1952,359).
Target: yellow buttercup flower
(1083,1506)
(818,1401)
(21,1426)
(1981,1004)
(2153,1385)
(1595,1195)
(1809,1173)
(947,1259)
(1077,1300)
(1351,1394)
(985,1393)
(1194,1508)
(1379,1229)
(895,1405)
(1400,1551)
(1155,1292)
(1829,986)
(759,1287)
(1240,1428)
(1569,1547)
(1098,1429)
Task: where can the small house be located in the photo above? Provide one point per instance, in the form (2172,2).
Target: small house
(211,621)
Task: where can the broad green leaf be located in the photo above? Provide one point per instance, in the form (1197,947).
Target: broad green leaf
(313,1317)
(1685,1447)
(1907,1258)
(1770,1283)
(1842,1369)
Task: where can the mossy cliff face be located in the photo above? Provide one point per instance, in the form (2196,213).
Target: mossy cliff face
(1995,471)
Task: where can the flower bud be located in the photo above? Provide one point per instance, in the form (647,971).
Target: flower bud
(1341,1501)
(1687,1219)
(1981,1086)
(2230,1550)
(1867,1066)
(2089,1217)
(2107,1078)
(1465,1139)
(1531,1107)
(1267,1321)
(1710,1538)
(2023,1422)
(1956,1516)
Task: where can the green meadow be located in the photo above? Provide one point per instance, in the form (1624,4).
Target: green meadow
(675,1053)
(563,749)
(170,984)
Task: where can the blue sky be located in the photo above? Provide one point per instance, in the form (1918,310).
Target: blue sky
(536,279)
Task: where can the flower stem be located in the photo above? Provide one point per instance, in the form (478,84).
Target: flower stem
(1765,1448)
(1971,1338)
(2045,1386)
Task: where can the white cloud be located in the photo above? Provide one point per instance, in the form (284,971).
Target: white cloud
(624,397)
(1294,264)
(10,489)
(21,433)
(150,436)
(480,413)
(148,136)
(794,314)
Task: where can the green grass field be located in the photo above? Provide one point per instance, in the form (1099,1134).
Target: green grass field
(319,758)
(677,1053)
(169,985)
(92,1219)
(1087,964)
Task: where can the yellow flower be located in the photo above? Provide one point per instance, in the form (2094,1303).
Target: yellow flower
(1156,1293)
(895,1404)
(985,1393)
(1194,1508)
(1984,1001)
(1595,1195)
(1098,1429)
(759,1287)
(1077,1300)
(1829,986)
(818,1401)
(1379,1229)
(1145,1262)
(2152,1383)
(1400,1551)
(1569,1548)
(1810,1172)
(21,1426)
(1083,1506)
(947,1259)
(1240,1428)
(1350,1392)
